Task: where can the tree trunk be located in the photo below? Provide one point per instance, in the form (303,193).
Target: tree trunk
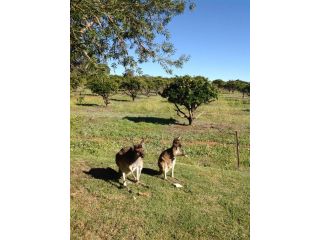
(106,100)
(133,98)
(190,117)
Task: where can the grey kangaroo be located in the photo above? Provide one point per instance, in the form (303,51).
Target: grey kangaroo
(130,160)
(167,159)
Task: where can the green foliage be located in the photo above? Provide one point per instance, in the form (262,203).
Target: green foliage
(131,86)
(161,83)
(102,31)
(103,85)
(154,85)
(244,88)
(231,86)
(149,85)
(76,80)
(239,85)
(219,83)
(189,92)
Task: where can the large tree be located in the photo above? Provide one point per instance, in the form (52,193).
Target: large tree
(123,32)
(188,93)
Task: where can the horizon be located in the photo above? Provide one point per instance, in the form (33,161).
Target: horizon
(173,76)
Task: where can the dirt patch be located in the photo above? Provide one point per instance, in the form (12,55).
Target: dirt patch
(77,167)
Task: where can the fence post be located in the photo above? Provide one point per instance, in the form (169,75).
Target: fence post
(237,146)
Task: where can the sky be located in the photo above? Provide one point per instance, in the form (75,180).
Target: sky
(216,35)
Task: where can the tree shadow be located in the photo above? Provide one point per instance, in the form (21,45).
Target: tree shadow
(120,100)
(87,104)
(106,174)
(150,172)
(155,120)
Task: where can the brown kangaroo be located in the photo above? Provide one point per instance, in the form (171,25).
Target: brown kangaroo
(130,159)
(167,159)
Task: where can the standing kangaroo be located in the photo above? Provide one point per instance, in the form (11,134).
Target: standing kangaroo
(130,159)
(167,159)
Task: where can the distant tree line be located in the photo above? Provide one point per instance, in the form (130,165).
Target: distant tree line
(187,93)
(233,85)
(141,85)
(105,85)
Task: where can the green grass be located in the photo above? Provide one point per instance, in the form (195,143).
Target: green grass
(214,200)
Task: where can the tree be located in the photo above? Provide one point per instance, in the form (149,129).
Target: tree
(103,85)
(231,86)
(247,89)
(244,88)
(104,31)
(190,93)
(150,85)
(131,86)
(147,85)
(219,83)
(161,83)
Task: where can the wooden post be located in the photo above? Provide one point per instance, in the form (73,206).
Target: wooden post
(237,146)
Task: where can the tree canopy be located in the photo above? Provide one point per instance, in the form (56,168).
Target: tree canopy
(123,32)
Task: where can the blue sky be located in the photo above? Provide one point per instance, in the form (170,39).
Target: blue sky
(216,35)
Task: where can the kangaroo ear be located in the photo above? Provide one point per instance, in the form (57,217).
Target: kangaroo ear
(142,142)
(179,138)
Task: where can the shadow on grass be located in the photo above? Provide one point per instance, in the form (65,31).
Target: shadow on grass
(87,104)
(150,172)
(120,100)
(155,120)
(106,174)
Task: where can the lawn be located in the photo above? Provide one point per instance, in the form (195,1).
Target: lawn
(214,200)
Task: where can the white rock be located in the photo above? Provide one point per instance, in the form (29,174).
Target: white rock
(177,185)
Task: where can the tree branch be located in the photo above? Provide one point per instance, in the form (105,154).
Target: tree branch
(179,110)
(87,26)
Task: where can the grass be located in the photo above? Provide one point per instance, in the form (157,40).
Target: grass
(214,200)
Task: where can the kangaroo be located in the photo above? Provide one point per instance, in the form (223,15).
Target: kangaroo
(130,159)
(167,159)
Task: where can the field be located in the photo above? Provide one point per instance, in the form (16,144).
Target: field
(214,200)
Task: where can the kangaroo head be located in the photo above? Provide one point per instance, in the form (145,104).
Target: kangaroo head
(139,149)
(177,147)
